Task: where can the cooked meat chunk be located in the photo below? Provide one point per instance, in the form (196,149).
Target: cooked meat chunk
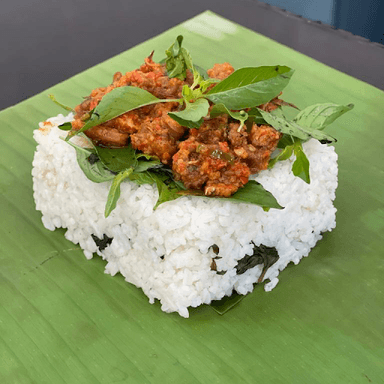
(253,148)
(158,133)
(264,136)
(220,71)
(213,167)
(220,161)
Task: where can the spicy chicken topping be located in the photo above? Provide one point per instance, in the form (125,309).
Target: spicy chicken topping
(217,158)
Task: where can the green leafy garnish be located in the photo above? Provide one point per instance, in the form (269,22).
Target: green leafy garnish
(93,170)
(261,255)
(117,159)
(285,154)
(254,193)
(319,116)
(293,128)
(168,188)
(307,124)
(66,126)
(114,192)
(250,87)
(193,114)
(300,167)
(245,88)
(219,109)
(178,60)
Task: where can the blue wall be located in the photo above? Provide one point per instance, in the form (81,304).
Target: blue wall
(360,17)
(311,9)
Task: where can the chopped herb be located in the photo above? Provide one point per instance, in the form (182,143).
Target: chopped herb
(102,243)
(218,154)
(215,249)
(261,255)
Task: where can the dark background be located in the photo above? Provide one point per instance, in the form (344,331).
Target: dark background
(44,42)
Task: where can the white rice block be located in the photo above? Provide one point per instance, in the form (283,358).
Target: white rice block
(167,252)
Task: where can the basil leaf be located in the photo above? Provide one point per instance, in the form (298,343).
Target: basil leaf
(114,191)
(53,98)
(254,193)
(142,178)
(65,126)
(178,60)
(219,109)
(120,100)
(117,159)
(168,188)
(318,116)
(285,141)
(254,117)
(300,167)
(202,71)
(294,129)
(193,114)
(187,93)
(261,255)
(285,154)
(187,123)
(143,165)
(250,87)
(94,171)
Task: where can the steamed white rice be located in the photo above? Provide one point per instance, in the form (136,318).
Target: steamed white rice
(167,252)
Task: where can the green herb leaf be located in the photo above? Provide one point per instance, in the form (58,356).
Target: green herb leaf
(65,126)
(250,87)
(255,116)
(219,109)
(114,192)
(59,104)
(285,154)
(178,60)
(93,170)
(120,100)
(193,114)
(285,141)
(318,116)
(294,129)
(142,178)
(300,167)
(168,188)
(254,193)
(261,255)
(103,242)
(117,159)
(202,71)
(144,165)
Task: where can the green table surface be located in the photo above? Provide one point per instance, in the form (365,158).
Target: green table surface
(62,320)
